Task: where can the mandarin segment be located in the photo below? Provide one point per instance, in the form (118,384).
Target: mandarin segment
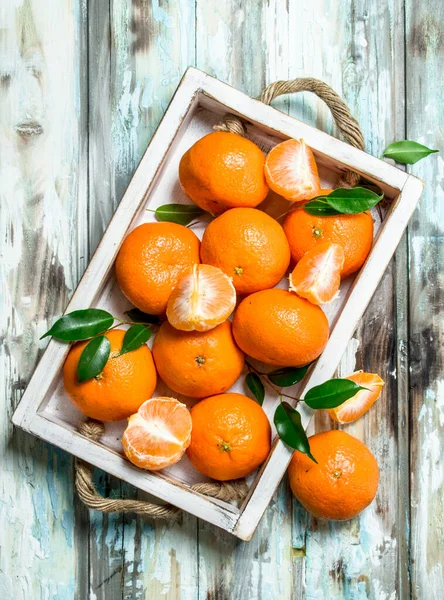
(158,434)
(202,299)
(151,262)
(317,276)
(344,481)
(223,170)
(230,436)
(117,392)
(249,246)
(355,407)
(353,232)
(279,328)
(197,364)
(291,171)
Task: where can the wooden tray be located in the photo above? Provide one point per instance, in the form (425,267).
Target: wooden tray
(197,105)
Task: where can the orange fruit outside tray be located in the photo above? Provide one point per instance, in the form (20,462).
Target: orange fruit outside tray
(158,434)
(202,299)
(223,170)
(291,171)
(344,481)
(317,276)
(249,246)
(355,407)
(117,392)
(230,437)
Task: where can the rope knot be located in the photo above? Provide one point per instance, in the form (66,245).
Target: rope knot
(93,430)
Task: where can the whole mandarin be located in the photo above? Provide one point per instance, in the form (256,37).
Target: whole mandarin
(152,260)
(119,390)
(353,232)
(197,363)
(249,246)
(230,437)
(223,170)
(280,328)
(344,481)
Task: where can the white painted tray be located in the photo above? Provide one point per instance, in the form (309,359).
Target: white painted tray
(198,104)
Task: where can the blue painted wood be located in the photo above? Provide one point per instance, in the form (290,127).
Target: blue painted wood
(83,86)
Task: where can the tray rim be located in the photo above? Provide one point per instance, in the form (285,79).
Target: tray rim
(194,83)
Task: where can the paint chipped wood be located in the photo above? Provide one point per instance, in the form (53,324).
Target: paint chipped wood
(136,48)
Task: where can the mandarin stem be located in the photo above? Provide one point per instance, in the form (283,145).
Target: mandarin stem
(268,382)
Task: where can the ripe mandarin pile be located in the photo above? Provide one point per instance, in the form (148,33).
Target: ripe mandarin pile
(197,286)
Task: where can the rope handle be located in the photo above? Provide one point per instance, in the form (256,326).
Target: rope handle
(88,494)
(346,123)
(228,490)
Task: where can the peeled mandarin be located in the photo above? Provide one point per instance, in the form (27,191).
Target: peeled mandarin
(358,405)
(158,434)
(317,276)
(291,171)
(202,299)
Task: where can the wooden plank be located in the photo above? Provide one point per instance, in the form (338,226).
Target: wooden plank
(425,111)
(43,133)
(138,52)
(234,42)
(342,560)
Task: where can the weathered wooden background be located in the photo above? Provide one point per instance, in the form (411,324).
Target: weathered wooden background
(83,85)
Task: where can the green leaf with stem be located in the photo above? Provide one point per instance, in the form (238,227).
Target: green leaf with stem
(287,376)
(288,423)
(81,325)
(256,387)
(331,393)
(182,214)
(93,358)
(135,337)
(407,152)
(348,201)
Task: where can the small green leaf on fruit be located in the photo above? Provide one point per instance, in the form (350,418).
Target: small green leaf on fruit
(81,325)
(182,214)
(331,393)
(256,387)
(135,337)
(138,316)
(407,152)
(287,375)
(288,423)
(93,358)
(348,201)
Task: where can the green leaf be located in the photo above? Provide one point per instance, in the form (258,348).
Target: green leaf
(81,325)
(287,375)
(256,387)
(179,213)
(135,337)
(138,316)
(287,421)
(319,207)
(348,201)
(331,393)
(407,152)
(93,358)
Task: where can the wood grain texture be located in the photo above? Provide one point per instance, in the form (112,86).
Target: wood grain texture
(84,85)
(138,51)
(227,44)
(425,53)
(43,198)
